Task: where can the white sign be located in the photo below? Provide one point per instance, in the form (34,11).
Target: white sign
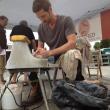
(90,27)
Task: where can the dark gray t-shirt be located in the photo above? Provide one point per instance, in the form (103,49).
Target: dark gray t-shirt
(56,37)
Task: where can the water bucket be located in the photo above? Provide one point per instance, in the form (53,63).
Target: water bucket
(8,101)
(1,86)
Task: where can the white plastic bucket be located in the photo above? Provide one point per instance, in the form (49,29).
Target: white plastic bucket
(1,86)
(0,102)
(8,102)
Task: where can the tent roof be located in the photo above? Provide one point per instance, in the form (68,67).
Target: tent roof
(17,10)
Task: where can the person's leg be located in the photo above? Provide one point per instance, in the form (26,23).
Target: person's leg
(2,68)
(1,77)
(79,76)
(33,78)
(26,79)
(35,84)
(35,93)
(13,80)
(69,63)
(26,76)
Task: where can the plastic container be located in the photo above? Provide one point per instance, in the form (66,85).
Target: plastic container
(8,102)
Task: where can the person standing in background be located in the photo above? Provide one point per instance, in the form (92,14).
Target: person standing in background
(23,29)
(3,46)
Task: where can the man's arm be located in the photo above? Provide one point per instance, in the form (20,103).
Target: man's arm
(71,39)
(70,36)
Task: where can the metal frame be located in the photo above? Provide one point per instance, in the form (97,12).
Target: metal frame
(38,70)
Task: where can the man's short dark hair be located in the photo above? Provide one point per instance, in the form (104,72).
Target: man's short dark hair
(40,4)
(3,17)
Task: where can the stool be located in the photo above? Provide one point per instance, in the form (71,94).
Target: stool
(95,62)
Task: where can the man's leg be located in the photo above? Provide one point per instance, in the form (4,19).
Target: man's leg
(36,90)
(79,76)
(70,63)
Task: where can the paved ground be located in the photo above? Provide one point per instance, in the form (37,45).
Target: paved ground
(105,79)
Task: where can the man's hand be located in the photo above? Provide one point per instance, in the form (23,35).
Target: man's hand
(42,52)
